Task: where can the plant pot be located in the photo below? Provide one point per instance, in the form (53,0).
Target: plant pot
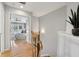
(75,31)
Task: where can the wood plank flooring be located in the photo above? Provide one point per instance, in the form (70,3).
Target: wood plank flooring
(21,50)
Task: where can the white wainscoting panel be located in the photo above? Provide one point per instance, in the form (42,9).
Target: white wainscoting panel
(68,45)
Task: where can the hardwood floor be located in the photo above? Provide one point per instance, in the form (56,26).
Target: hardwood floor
(22,49)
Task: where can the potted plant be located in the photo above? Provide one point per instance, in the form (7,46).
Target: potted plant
(74,20)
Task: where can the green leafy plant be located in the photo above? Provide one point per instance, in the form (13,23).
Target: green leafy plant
(74,20)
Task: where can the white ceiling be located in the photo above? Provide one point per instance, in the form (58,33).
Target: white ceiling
(37,8)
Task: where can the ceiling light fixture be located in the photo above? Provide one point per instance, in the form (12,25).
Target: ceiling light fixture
(23,3)
(21,6)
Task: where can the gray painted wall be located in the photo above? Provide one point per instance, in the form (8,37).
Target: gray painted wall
(52,23)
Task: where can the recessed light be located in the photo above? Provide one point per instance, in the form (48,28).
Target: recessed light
(21,6)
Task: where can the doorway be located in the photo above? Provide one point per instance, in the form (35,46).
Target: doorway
(19,30)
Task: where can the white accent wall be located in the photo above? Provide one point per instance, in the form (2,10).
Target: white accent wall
(1,27)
